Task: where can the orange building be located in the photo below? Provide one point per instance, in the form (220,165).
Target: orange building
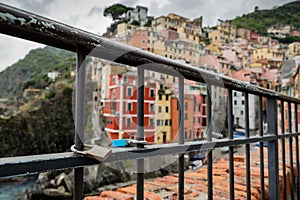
(140,39)
(194,118)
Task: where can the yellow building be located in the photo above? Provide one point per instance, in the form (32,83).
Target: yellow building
(294,49)
(163,115)
(123,29)
(214,49)
(215,37)
(228,31)
(274,55)
(187,29)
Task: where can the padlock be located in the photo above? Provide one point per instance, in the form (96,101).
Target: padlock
(93,151)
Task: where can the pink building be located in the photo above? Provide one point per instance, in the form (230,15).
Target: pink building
(200,116)
(295,33)
(232,56)
(254,37)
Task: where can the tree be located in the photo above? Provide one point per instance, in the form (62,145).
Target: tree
(256,8)
(115,11)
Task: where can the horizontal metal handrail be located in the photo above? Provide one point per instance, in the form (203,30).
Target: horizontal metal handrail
(13,166)
(29,26)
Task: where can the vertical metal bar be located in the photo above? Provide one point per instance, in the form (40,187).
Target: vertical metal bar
(291,151)
(79,121)
(261,150)
(181,138)
(283,149)
(140,136)
(297,150)
(230,136)
(247,147)
(209,138)
(272,149)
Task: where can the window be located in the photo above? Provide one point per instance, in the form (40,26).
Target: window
(158,122)
(129,106)
(186,106)
(159,97)
(159,109)
(198,119)
(143,41)
(242,112)
(204,122)
(129,91)
(167,97)
(167,109)
(114,106)
(125,78)
(234,94)
(243,102)
(185,116)
(128,122)
(190,134)
(237,120)
(161,86)
(166,122)
(152,93)
(151,121)
(235,102)
(151,107)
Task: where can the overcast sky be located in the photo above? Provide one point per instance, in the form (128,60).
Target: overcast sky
(88,15)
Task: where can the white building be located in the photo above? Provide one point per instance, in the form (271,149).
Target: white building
(138,14)
(53,75)
(239,110)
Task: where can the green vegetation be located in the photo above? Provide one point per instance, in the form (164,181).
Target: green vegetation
(260,20)
(116,11)
(288,39)
(32,71)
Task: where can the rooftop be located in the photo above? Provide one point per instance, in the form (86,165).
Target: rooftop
(196,181)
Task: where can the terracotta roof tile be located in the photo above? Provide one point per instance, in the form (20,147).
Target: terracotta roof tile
(116,195)
(196,182)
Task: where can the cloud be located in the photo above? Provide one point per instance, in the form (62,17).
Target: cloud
(212,10)
(95,10)
(13,49)
(88,15)
(129,3)
(37,6)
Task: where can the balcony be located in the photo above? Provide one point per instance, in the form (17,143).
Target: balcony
(279,170)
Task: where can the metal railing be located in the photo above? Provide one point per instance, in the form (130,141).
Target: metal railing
(35,28)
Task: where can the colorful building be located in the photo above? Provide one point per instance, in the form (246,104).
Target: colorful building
(186,28)
(163,115)
(228,31)
(274,55)
(120,108)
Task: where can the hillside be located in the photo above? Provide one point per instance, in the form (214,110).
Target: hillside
(260,20)
(32,70)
